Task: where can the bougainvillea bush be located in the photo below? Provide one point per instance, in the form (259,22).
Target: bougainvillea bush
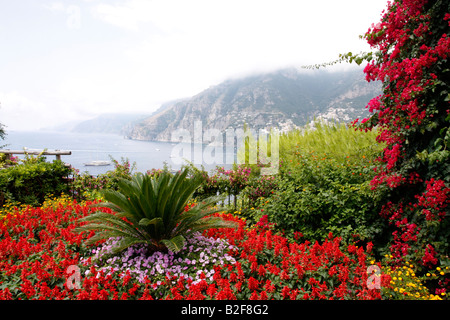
(411,59)
(41,257)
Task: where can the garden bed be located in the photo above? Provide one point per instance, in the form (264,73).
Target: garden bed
(41,257)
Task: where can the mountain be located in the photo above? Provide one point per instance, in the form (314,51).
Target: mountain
(119,123)
(283,99)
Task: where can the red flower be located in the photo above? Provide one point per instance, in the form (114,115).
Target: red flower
(285,292)
(254,296)
(263,296)
(261,270)
(429,258)
(211,291)
(269,287)
(252,284)
(284,275)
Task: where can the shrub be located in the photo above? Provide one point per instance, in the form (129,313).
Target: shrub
(87,187)
(406,284)
(412,117)
(30,181)
(317,195)
(336,140)
(260,187)
(324,190)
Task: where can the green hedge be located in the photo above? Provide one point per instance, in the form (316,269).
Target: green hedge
(317,195)
(323,186)
(32,180)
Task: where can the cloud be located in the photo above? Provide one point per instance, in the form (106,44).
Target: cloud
(133,55)
(18,112)
(72,12)
(128,15)
(55,7)
(204,42)
(21,113)
(240,35)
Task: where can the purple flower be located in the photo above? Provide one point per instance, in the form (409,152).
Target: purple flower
(199,255)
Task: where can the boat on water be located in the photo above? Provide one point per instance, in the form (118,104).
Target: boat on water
(98,163)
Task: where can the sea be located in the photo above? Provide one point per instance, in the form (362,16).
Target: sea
(88,147)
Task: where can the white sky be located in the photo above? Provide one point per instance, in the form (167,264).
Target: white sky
(66,60)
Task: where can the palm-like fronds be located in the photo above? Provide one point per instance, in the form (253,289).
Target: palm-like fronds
(151,210)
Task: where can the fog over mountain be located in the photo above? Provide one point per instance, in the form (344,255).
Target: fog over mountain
(283,99)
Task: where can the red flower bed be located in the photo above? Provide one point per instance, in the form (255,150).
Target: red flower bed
(38,245)
(270,267)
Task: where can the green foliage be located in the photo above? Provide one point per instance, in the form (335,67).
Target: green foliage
(151,210)
(412,61)
(260,187)
(33,179)
(87,187)
(318,195)
(5,162)
(323,186)
(2,134)
(335,140)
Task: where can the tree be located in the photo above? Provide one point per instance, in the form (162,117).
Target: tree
(2,133)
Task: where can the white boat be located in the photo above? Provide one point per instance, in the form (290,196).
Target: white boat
(98,163)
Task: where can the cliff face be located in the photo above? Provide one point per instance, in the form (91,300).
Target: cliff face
(283,100)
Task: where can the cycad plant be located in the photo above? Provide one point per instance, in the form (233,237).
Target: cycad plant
(151,210)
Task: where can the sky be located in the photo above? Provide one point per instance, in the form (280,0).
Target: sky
(70,60)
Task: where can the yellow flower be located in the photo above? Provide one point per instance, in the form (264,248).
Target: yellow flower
(438,269)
